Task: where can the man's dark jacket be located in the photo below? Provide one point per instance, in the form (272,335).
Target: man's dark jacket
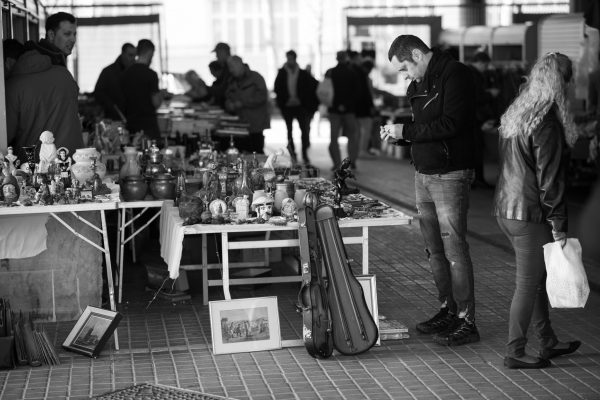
(443,107)
(345,88)
(306,89)
(108,91)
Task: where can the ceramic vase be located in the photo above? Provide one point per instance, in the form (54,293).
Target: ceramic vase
(82,170)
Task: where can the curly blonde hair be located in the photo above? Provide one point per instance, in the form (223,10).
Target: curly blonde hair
(545,86)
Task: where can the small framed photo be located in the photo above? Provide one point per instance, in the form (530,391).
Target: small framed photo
(369,286)
(243,325)
(92,330)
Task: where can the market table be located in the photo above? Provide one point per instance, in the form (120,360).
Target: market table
(172,232)
(126,208)
(74,209)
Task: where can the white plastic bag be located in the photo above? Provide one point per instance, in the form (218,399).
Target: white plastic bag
(566,283)
(325,92)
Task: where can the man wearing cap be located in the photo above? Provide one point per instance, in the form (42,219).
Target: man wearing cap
(222,52)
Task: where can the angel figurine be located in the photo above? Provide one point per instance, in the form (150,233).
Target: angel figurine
(47,151)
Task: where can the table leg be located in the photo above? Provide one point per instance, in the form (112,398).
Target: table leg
(225,261)
(109,273)
(118,239)
(121,251)
(365,250)
(204,270)
(133,239)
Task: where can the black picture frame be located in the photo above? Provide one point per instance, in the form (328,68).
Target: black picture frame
(92,330)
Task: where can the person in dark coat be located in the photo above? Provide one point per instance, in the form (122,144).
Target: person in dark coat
(222,76)
(142,94)
(41,94)
(296,95)
(248,98)
(12,50)
(536,133)
(342,113)
(108,91)
(485,115)
(441,138)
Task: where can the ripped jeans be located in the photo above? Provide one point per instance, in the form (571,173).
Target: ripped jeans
(442,204)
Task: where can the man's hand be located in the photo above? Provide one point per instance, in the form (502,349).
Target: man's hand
(391,133)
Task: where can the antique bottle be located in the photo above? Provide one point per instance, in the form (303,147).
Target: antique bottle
(242,207)
(179,186)
(232,152)
(244,188)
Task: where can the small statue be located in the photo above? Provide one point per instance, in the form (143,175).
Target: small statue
(13,161)
(47,151)
(339,180)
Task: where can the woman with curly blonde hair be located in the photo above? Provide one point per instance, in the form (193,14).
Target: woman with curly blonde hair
(536,133)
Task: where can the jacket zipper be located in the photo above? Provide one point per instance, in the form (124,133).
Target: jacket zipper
(430,100)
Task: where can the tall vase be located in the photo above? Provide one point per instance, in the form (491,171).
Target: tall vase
(131,166)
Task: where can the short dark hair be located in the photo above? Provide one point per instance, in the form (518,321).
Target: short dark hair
(403,46)
(291,53)
(145,46)
(126,46)
(53,21)
(12,48)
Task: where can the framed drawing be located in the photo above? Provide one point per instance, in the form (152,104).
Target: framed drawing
(243,325)
(369,287)
(92,330)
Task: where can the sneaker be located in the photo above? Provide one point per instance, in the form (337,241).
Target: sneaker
(465,332)
(440,322)
(374,152)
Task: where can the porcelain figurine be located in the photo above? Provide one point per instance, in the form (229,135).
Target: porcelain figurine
(47,151)
(13,161)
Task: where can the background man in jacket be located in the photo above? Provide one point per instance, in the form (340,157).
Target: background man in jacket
(441,138)
(142,94)
(108,91)
(342,113)
(295,89)
(248,98)
(61,35)
(41,93)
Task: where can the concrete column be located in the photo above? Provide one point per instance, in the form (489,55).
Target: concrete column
(472,12)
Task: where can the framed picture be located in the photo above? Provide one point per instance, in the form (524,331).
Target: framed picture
(92,330)
(243,325)
(369,287)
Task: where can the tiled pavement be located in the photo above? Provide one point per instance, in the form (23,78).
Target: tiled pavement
(170,343)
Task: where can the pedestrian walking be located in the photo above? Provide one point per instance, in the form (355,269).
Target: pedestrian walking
(441,140)
(295,89)
(536,132)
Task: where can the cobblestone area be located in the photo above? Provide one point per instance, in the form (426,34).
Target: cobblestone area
(170,344)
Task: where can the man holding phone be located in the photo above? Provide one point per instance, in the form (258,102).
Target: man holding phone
(441,140)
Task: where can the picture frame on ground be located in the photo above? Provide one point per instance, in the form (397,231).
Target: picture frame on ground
(92,330)
(243,325)
(369,286)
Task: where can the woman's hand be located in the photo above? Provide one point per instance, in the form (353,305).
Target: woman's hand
(560,237)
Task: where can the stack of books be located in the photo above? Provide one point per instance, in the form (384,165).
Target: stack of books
(390,329)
